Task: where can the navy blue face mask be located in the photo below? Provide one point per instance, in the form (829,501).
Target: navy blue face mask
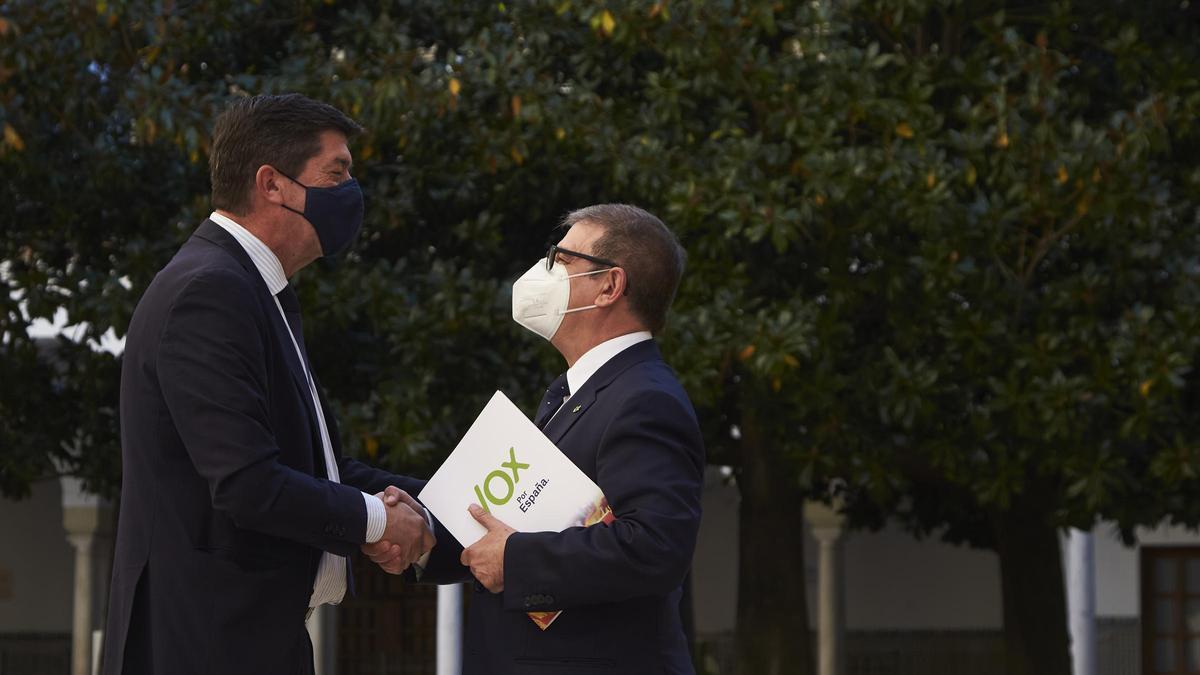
(336,213)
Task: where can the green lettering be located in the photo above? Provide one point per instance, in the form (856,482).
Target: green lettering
(514,465)
(487,487)
(482,501)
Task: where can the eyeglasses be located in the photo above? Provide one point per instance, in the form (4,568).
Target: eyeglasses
(555,249)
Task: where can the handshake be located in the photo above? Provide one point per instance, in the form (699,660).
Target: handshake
(406,538)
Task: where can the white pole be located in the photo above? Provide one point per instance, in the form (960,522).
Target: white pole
(97,643)
(81,631)
(449,629)
(1081,601)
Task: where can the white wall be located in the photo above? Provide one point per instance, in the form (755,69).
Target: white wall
(896,582)
(38,562)
(892,581)
(1118,575)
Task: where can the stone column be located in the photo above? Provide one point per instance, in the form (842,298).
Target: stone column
(827,526)
(81,626)
(88,522)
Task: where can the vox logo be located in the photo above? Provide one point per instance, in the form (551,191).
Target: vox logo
(486,494)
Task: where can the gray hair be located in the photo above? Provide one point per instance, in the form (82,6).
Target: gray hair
(645,248)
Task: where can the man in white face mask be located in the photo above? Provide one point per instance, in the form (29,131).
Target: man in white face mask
(621,415)
(542,296)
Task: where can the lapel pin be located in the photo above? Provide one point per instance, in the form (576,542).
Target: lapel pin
(576,409)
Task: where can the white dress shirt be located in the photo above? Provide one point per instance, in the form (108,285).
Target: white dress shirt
(330,584)
(595,358)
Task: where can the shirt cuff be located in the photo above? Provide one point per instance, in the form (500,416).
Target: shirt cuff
(376,518)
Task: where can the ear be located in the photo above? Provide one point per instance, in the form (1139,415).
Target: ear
(269,184)
(612,288)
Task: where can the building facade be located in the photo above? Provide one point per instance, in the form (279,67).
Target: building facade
(906,606)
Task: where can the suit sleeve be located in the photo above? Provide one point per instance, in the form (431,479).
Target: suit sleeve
(212,372)
(372,481)
(650,467)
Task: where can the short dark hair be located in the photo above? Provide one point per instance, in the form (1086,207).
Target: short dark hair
(281,130)
(648,251)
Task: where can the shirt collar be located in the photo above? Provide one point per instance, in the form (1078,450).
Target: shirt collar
(597,356)
(263,257)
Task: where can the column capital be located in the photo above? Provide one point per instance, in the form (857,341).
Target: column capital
(827,535)
(822,516)
(81,541)
(84,513)
(87,521)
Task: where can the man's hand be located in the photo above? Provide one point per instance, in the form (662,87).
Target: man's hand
(486,556)
(405,538)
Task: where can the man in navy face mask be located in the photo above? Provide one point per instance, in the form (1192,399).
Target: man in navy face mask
(238,511)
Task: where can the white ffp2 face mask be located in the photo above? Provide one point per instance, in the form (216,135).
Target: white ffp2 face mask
(540,298)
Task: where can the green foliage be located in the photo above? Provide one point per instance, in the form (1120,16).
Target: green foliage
(945,251)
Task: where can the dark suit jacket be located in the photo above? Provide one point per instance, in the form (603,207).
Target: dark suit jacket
(634,433)
(225,509)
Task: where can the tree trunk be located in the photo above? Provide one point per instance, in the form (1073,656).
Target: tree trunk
(1036,641)
(772,612)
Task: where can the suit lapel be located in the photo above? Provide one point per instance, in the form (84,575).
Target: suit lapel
(581,401)
(215,234)
(572,410)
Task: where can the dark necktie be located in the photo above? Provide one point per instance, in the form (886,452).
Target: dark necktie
(555,396)
(291,311)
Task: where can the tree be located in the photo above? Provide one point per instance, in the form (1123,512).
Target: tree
(962,280)
(942,251)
